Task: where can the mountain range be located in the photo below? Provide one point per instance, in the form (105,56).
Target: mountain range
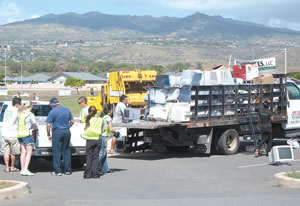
(194,26)
(149,40)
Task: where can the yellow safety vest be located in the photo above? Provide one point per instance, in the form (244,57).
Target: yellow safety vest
(83,115)
(108,133)
(23,131)
(94,131)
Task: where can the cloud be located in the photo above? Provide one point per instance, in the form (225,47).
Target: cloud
(34,16)
(9,12)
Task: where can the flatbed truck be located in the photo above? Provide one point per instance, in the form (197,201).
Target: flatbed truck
(230,112)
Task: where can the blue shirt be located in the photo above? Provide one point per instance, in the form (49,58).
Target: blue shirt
(60,117)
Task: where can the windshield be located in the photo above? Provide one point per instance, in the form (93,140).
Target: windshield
(293,91)
(135,87)
(41,110)
(2,112)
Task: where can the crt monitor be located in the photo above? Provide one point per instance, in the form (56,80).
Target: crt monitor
(281,154)
(132,115)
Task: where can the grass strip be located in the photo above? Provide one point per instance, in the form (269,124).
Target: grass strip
(294,175)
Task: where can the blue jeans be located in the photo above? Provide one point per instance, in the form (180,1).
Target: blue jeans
(27,141)
(103,155)
(61,144)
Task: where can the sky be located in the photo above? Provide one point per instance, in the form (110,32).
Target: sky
(275,13)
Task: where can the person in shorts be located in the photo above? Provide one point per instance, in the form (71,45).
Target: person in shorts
(10,144)
(26,124)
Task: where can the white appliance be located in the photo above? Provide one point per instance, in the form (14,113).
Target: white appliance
(281,154)
(180,112)
(159,112)
(132,115)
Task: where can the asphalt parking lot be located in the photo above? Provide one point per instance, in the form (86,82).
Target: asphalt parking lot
(163,179)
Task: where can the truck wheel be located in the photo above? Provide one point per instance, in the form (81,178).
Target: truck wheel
(229,142)
(177,149)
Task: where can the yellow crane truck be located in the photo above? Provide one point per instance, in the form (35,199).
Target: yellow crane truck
(130,83)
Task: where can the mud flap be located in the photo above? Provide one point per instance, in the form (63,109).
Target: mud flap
(204,143)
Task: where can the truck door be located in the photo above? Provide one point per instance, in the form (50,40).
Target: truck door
(293,108)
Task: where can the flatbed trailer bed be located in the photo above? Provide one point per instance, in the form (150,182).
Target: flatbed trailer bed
(142,125)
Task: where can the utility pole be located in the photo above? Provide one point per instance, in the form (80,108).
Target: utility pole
(229,61)
(285,64)
(21,76)
(5,67)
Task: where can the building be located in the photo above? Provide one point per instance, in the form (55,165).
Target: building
(87,77)
(34,79)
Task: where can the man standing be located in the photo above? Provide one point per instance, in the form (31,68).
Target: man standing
(118,117)
(61,119)
(119,110)
(35,98)
(10,143)
(84,109)
(265,121)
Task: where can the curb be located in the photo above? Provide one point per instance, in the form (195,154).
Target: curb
(21,189)
(284,181)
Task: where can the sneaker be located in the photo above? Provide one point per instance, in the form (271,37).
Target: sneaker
(28,173)
(111,152)
(68,173)
(56,174)
(22,172)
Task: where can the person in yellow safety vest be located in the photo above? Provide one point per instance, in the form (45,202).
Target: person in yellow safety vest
(107,133)
(82,101)
(18,95)
(26,125)
(92,133)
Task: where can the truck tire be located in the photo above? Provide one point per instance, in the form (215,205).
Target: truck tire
(177,149)
(229,142)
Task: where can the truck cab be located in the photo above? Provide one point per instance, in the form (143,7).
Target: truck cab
(293,110)
(133,84)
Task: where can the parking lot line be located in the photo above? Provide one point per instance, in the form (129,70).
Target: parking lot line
(257,165)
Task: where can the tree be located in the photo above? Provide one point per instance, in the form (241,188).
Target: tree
(178,67)
(73,67)
(199,65)
(1,79)
(295,75)
(41,65)
(74,83)
(14,67)
(158,68)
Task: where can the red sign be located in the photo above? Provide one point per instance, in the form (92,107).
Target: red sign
(239,72)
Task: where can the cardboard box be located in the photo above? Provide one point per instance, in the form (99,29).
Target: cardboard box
(264,79)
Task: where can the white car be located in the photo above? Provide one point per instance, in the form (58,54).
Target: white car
(43,147)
